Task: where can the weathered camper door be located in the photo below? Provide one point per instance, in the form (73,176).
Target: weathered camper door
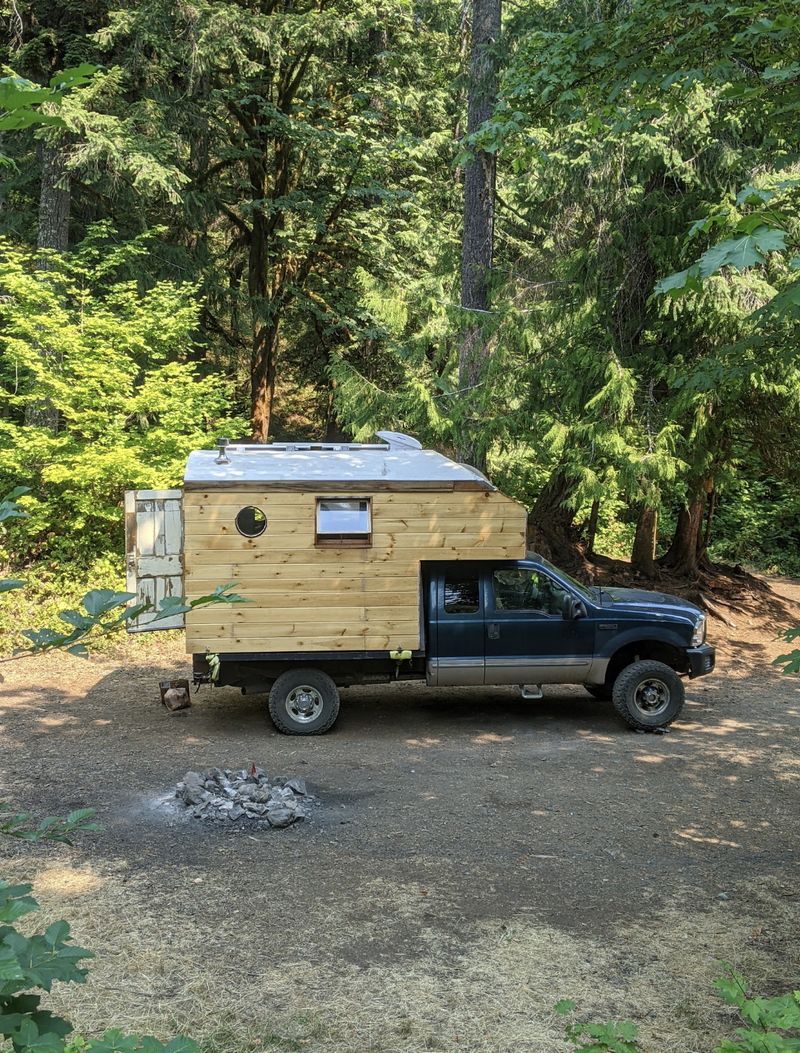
(154,551)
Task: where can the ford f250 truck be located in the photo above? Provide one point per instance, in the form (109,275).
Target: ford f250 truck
(520,622)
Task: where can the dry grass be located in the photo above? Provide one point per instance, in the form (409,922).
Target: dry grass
(158,970)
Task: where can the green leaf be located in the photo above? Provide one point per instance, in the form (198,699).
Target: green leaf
(169,607)
(56,933)
(740,253)
(76,619)
(732,987)
(101,601)
(679,283)
(790,662)
(564,1007)
(74,77)
(219,595)
(9,584)
(751,195)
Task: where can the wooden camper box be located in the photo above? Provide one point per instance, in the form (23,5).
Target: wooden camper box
(311,593)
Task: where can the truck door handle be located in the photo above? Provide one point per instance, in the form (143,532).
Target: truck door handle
(493,630)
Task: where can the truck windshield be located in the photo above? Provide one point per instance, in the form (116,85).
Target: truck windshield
(582,590)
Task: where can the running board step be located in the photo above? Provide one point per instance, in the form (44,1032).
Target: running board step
(531,691)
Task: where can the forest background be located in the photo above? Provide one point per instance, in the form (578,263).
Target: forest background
(556,240)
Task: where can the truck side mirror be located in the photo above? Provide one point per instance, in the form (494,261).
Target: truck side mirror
(573,608)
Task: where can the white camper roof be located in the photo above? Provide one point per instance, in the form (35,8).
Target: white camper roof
(399,463)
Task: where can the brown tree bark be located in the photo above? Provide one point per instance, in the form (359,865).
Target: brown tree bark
(53,235)
(477,244)
(54,198)
(643,554)
(591,529)
(263,377)
(265,324)
(686,553)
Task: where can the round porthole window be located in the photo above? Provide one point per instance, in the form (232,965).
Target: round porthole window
(251,521)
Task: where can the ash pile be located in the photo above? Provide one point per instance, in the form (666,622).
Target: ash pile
(250,796)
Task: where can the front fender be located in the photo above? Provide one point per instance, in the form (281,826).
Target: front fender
(639,634)
(642,634)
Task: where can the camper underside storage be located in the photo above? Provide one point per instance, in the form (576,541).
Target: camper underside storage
(257,672)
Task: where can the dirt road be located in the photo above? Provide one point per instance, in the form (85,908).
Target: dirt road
(475,858)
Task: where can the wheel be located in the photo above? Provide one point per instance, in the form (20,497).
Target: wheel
(304,702)
(648,695)
(601,691)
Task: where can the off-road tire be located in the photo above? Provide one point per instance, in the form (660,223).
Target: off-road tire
(600,691)
(320,698)
(648,695)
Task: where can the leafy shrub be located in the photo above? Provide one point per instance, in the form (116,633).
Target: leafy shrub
(770,1025)
(116,362)
(29,966)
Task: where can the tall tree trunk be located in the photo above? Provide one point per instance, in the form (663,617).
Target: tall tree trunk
(591,529)
(686,552)
(265,326)
(54,198)
(53,234)
(551,529)
(643,554)
(263,375)
(478,237)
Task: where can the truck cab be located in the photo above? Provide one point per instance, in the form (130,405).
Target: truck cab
(528,623)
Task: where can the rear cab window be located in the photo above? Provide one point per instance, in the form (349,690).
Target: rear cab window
(462,592)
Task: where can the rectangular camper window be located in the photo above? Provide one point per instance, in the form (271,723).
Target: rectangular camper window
(344,521)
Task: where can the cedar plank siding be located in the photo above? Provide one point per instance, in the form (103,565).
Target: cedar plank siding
(309,598)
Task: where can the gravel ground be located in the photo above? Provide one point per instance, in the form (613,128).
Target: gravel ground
(475,856)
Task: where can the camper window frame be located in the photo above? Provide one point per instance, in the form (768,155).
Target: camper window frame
(342,540)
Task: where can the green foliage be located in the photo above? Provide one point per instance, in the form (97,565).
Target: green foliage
(771,1025)
(115,361)
(21,100)
(790,662)
(29,966)
(613,133)
(23,827)
(289,173)
(104,611)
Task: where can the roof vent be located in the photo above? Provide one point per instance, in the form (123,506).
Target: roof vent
(222,456)
(398,441)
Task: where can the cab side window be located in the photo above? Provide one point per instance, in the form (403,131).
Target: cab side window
(461,593)
(527,590)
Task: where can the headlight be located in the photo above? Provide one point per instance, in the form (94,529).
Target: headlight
(699,634)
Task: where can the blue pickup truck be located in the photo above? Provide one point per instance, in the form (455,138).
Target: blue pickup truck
(520,622)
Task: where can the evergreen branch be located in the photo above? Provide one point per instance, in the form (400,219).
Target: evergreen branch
(237,221)
(213,323)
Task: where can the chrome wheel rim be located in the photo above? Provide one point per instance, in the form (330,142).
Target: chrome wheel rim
(652,697)
(304,704)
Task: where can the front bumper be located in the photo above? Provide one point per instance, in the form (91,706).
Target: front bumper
(701,660)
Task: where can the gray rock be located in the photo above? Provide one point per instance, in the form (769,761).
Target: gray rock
(279,815)
(236,812)
(298,785)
